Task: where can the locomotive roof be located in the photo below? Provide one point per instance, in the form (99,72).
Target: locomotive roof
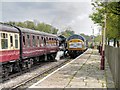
(24,30)
(61,38)
(75,36)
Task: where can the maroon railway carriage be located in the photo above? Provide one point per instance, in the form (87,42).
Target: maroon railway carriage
(21,48)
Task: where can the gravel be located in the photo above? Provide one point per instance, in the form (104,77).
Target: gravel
(22,78)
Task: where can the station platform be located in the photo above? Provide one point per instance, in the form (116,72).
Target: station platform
(81,73)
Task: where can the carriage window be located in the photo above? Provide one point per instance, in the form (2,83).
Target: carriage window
(42,43)
(28,40)
(24,40)
(52,42)
(16,41)
(47,41)
(56,42)
(11,41)
(38,41)
(34,41)
(4,40)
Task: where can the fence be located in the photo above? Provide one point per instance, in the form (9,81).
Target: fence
(112,55)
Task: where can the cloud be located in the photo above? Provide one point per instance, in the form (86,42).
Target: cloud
(81,17)
(46,0)
(58,14)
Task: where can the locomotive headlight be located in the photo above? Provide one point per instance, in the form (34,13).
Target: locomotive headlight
(79,43)
(71,44)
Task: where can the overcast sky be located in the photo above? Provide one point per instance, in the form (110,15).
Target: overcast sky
(59,13)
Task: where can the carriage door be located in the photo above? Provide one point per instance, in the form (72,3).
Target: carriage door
(11,42)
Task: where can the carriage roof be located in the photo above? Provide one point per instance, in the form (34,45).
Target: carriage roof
(23,30)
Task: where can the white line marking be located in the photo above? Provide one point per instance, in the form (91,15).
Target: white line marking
(34,85)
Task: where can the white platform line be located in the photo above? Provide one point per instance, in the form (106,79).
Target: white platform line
(34,85)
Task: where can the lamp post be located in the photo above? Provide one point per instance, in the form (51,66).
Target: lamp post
(93,39)
(100,43)
(102,67)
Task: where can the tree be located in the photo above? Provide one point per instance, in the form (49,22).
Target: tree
(113,18)
(114,7)
(67,33)
(40,26)
(87,37)
(20,24)
(30,24)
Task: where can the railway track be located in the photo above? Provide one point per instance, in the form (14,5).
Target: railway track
(13,75)
(29,77)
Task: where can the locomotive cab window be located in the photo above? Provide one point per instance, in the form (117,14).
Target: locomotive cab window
(4,41)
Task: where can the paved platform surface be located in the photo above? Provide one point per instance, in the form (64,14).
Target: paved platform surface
(82,72)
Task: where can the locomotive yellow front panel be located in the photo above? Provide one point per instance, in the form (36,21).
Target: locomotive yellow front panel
(75,44)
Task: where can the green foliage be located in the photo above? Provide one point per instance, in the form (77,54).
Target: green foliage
(90,39)
(113,27)
(67,33)
(98,38)
(114,7)
(98,15)
(29,24)
(87,37)
(40,26)
(112,10)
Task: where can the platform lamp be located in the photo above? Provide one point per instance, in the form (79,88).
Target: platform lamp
(102,67)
